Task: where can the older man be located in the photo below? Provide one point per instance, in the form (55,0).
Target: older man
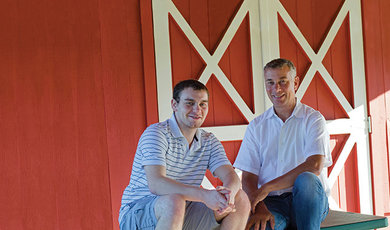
(282,156)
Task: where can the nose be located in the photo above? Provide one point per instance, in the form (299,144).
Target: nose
(277,87)
(196,107)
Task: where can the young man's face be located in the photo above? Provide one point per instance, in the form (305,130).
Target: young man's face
(191,109)
(281,86)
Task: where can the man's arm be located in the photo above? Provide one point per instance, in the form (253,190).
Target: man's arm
(229,179)
(159,184)
(312,164)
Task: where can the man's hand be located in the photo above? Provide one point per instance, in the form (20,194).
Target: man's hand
(231,185)
(258,196)
(260,218)
(216,200)
(227,193)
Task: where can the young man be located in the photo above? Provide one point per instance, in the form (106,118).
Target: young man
(170,162)
(282,156)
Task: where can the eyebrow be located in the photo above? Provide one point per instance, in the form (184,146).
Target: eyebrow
(190,99)
(281,78)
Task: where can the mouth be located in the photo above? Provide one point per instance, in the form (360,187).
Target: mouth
(195,117)
(278,96)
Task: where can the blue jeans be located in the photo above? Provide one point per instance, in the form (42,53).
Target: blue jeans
(304,209)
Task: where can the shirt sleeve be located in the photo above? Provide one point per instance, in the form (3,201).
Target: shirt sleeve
(217,154)
(317,139)
(153,146)
(248,158)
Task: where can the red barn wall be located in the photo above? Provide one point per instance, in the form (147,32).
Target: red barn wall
(77,89)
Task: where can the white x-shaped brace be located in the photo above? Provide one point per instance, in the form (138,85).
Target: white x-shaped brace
(251,7)
(316,59)
(212,61)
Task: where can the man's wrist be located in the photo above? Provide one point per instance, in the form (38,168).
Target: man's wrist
(266,188)
(203,194)
(233,190)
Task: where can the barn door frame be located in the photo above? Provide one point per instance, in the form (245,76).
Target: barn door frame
(264,43)
(358,124)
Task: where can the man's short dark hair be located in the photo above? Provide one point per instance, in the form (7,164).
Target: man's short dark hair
(279,63)
(194,84)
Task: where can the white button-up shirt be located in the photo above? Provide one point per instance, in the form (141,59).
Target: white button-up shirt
(271,147)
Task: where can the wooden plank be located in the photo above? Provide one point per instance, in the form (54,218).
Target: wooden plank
(354,221)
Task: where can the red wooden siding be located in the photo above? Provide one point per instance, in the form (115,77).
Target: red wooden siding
(377,57)
(54,161)
(125,84)
(77,88)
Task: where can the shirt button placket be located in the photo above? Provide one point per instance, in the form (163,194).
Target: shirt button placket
(281,145)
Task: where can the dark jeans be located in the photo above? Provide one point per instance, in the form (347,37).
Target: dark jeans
(303,209)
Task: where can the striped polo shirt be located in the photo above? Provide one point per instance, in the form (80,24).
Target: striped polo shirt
(164,144)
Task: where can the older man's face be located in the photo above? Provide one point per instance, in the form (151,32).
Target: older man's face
(281,86)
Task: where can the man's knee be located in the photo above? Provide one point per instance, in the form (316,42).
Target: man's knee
(242,206)
(242,201)
(308,185)
(170,205)
(307,179)
(310,203)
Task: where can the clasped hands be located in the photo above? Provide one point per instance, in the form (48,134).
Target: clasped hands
(221,200)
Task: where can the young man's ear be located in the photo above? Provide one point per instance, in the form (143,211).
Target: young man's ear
(174,105)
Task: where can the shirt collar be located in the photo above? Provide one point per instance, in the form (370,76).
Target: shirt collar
(176,132)
(174,127)
(297,112)
(270,113)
